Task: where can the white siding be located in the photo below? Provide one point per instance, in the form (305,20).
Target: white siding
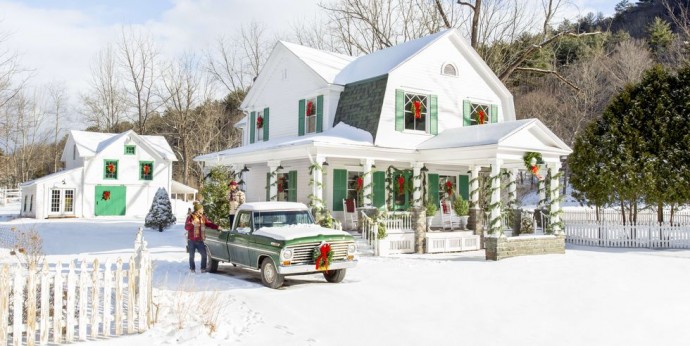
(422,74)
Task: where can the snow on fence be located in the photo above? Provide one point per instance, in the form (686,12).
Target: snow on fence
(640,234)
(49,305)
(612,215)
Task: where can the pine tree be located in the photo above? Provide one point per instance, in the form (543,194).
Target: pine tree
(215,195)
(160,215)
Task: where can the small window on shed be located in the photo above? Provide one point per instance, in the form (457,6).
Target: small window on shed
(450,70)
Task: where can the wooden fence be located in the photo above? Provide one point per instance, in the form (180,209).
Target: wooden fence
(640,234)
(88,302)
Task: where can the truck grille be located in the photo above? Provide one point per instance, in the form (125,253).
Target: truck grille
(304,253)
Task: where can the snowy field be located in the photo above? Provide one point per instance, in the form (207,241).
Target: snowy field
(589,296)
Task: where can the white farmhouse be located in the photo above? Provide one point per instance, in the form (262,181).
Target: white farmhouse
(391,129)
(105,175)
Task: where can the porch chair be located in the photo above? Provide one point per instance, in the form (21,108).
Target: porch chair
(350,211)
(448,217)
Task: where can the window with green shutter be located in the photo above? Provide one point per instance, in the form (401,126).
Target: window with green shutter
(379,189)
(286,185)
(311,115)
(110,169)
(416,112)
(432,190)
(339,188)
(479,114)
(146,170)
(464,186)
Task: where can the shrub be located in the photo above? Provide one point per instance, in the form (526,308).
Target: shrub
(526,223)
(431,209)
(461,206)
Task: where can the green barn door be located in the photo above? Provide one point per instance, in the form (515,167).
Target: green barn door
(110,200)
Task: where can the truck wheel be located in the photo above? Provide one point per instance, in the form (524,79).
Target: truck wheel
(212,265)
(334,276)
(269,274)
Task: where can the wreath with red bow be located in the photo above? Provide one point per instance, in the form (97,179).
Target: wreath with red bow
(532,160)
(310,108)
(481,116)
(106,195)
(147,169)
(323,255)
(448,187)
(259,122)
(417,108)
(360,183)
(111,168)
(401,184)
(281,181)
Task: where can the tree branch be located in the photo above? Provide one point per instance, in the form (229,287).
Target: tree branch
(443,14)
(558,75)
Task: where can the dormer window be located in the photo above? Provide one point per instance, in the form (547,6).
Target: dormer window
(416,112)
(258,126)
(449,70)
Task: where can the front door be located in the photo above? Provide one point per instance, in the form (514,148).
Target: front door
(110,200)
(61,202)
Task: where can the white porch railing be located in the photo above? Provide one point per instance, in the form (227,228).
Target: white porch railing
(639,235)
(399,234)
(451,241)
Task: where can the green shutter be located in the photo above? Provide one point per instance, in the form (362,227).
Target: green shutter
(319,113)
(265,124)
(466,113)
(399,110)
(464,186)
(379,189)
(494,114)
(339,188)
(252,126)
(292,186)
(268,186)
(432,181)
(433,112)
(300,118)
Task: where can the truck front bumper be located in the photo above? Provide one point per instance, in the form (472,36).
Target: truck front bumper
(311,268)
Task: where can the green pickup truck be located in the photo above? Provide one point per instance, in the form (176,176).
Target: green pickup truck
(281,238)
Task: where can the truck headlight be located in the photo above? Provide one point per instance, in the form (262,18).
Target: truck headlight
(286,254)
(351,249)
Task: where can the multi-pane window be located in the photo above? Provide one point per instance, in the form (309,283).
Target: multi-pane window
(283,186)
(146,170)
(259,126)
(54,201)
(110,169)
(130,149)
(355,187)
(447,187)
(450,70)
(416,112)
(69,201)
(480,114)
(310,116)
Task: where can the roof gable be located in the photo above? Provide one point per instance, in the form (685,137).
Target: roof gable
(325,64)
(91,143)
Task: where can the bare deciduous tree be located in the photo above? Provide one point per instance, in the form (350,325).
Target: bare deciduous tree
(57,102)
(138,57)
(105,105)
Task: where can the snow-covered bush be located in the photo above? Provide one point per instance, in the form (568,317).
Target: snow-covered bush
(160,215)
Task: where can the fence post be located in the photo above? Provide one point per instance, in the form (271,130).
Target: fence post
(83,292)
(107,301)
(71,283)
(18,300)
(131,294)
(57,304)
(31,306)
(95,320)
(118,297)
(45,304)
(4,302)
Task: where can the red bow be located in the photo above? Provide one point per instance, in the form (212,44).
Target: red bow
(310,108)
(322,260)
(360,181)
(147,169)
(106,195)
(111,168)
(535,170)
(417,109)
(259,122)
(449,188)
(482,115)
(401,183)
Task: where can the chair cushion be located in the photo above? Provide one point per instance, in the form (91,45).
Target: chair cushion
(350,205)
(445,207)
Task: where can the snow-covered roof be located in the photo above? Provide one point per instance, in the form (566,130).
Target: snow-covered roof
(340,134)
(91,143)
(178,187)
(49,176)
(384,60)
(489,134)
(326,64)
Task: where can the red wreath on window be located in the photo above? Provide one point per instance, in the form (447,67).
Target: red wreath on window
(449,188)
(482,116)
(360,182)
(280,184)
(111,168)
(417,105)
(310,108)
(106,195)
(401,183)
(147,169)
(259,122)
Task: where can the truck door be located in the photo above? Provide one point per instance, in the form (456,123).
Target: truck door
(238,239)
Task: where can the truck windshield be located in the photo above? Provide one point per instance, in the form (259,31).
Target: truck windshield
(281,218)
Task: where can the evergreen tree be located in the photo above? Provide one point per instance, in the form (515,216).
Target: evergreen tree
(660,36)
(215,195)
(160,215)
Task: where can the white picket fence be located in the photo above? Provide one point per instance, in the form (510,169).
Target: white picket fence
(613,215)
(638,235)
(9,195)
(88,302)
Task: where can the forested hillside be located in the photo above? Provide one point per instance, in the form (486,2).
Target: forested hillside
(564,72)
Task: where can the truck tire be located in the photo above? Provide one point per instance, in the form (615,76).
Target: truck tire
(269,274)
(212,265)
(334,276)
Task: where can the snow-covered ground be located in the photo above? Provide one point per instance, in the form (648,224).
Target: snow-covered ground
(589,296)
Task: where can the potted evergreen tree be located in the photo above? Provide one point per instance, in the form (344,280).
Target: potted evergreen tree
(462,209)
(430,213)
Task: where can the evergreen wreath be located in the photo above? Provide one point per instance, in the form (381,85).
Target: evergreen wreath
(323,255)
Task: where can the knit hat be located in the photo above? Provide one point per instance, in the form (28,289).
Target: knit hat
(233,183)
(198,206)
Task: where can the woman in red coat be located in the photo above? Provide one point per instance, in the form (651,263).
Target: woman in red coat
(196,225)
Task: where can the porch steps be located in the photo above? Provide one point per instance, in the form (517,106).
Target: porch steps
(363,248)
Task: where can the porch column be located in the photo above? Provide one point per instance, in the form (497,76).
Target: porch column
(512,188)
(474,221)
(367,181)
(273,179)
(541,190)
(495,226)
(317,187)
(555,205)
(417,184)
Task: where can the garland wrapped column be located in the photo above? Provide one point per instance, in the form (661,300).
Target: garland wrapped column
(273,182)
(555,211)
(495,224)
(417,184)
(512,188)
(367,183)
